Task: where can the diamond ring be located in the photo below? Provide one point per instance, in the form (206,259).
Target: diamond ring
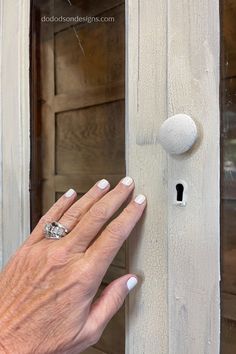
(55,230)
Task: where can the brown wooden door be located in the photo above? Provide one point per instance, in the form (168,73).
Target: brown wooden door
(228,176)
(78,118)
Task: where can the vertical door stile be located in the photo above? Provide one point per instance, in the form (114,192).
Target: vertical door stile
(14,122)
(146,329)
(193,230)
(173,67)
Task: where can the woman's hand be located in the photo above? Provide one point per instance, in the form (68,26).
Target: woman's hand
(47,288)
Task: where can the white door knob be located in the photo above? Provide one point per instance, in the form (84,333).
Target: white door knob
(178,134)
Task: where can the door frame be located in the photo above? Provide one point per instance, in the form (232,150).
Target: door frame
(174,251)
(14,125)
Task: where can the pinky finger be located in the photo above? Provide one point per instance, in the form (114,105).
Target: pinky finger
(107,305)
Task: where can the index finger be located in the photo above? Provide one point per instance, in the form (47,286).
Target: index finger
(102,252)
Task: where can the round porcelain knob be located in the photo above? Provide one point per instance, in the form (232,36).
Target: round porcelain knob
(178,134)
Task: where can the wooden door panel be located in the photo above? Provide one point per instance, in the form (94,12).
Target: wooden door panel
(82,8)
(228,333)
(229,37)
(93,351)
(228,177)
(91,140)
(84,57)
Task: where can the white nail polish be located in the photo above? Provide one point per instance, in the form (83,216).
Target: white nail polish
(103,184)
(131,283)
(69,193)
(127,181)
(140,199)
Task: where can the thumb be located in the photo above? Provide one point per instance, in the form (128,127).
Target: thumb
(107,305)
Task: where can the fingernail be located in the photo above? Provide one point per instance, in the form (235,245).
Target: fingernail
(127,181)
(69,193)
(103,184)
(140,199)
(131,283)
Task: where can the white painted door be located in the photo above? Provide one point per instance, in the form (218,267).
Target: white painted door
(172,66)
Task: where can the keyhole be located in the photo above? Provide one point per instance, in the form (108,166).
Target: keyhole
(180,192)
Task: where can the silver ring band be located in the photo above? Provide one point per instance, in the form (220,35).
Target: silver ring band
(55,230)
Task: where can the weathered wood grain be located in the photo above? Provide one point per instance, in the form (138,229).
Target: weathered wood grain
(92,60)
(93,351)
(91,97)
(83,182)
(193,231)
(228,38)
(177,245)
(146,322)
(228,329)
(91,140)
(47,80)
(14,126)
(228,306)
(82,9)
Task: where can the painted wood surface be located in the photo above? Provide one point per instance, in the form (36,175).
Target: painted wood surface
(173,67)
(14,125)
(193,231)
(147,312)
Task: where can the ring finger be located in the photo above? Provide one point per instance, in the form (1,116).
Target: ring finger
(68,212)
(74,214)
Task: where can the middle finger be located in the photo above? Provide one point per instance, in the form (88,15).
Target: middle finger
(74,214)
(91,223)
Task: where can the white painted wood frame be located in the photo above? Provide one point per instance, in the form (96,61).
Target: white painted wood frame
(173,67)
(14,125)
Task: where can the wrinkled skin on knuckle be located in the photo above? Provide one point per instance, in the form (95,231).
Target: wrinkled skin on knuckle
(116,229)
(71,218)
(57,207)
(99,212)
